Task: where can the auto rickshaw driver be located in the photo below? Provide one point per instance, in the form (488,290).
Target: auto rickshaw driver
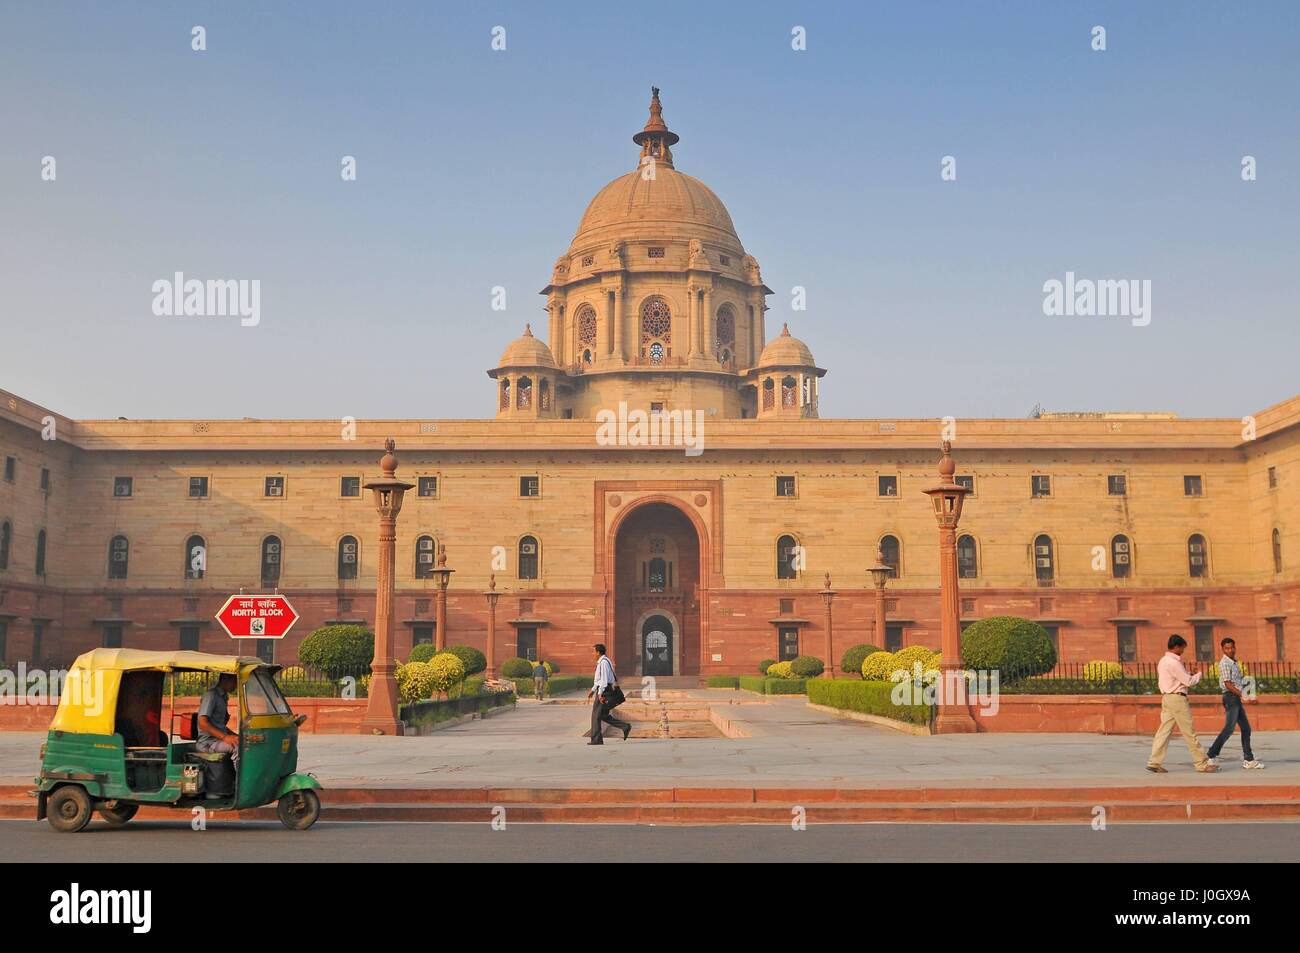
(214,716)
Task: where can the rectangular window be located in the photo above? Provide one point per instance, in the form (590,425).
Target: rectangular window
(887,486)
(350,486)
(1204,643)
(45,479)
(968,482)
(526,643)
(198,488)
(785,486)
(530,486)
(787,606)
(10,466)
(1192,486)
(38,634)
(427,486)
(1117,484)
(112,636)
(893,636)
(1040,485)
(422,635)
(274,486)
(1272,478)
(123,486)
(656,407)
(189,638)
(266,650)
(724,259)
(1126,637)
(787,648)
(1279,641)
(1054,633)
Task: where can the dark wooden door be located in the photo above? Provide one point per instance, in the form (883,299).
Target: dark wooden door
(657,646)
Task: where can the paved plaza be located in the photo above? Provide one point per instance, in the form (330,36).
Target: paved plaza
(785,744)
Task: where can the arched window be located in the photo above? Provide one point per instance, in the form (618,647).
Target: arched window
(348,558)
(586,320)
(769,394)
(1121,556)
(544,394)
(271,553)
(524,393)
(425,551)
(658,575)
(656,329)
(788,562)
(891,555)
(1044,564)
(6,536)
(586,356)
(789,392)
(40,553)
(967,558)
(1277,551)
(528,557)
(1197,558)
(196,557)
(119,553)
(505,393)
(725,332)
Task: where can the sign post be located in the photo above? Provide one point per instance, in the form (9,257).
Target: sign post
(257,617)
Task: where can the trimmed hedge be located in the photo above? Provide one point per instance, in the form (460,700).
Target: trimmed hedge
(765,664)
(516,668)
(724,681)
(473,660)
(1016,647)
(422,652)
(807,666)
(853,657)
(555,685)
(870,698)
(785,686)
(753,683)
(338,650)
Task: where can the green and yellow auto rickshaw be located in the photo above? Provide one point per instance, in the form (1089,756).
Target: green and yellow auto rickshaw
(107,749)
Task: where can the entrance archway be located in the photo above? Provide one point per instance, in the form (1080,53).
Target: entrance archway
(656,591)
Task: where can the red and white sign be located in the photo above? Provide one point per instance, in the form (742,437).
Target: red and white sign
(257,617)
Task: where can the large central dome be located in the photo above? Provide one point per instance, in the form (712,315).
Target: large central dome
(670,205)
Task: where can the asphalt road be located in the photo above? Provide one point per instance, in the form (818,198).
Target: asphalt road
(28,841)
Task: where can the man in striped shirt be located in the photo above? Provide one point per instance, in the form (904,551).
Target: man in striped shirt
(1234,707)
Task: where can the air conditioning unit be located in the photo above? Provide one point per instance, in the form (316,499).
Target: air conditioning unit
(1121,547)
(272,558)
(426,558)
(1195,548)
(528,549)
(1043,550)
(119,544)
(272,547)
(426,543)
(119,557)
(1121,559)
(274,490)
(1198,561)
(1043,563)
(349,547)
(122,489)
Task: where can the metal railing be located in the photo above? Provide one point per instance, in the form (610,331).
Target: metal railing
(1141,678)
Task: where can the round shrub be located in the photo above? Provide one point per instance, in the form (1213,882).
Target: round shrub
(764,665)
(551,668)
(878,666)
(781,670)
(414,681)
(907,658)
(807,666)
(445,671)
(473,660)
(338,650)
(852,659)
(1016,647)
(1100,671)
(517,668)
(423,652)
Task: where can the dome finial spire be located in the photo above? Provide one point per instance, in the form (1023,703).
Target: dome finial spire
(656,137)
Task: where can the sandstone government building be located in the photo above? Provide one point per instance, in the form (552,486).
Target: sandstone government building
(1112,529)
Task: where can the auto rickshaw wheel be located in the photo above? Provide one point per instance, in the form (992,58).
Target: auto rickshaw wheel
(299,809)
(118,814)
(69,809)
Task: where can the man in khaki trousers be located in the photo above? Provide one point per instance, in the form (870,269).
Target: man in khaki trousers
(1174,709)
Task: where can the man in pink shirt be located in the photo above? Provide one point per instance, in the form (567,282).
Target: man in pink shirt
(1174,710)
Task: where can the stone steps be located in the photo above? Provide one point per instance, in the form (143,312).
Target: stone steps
(1123,804)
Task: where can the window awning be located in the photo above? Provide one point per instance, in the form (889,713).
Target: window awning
(179,622)
(1128,620)
(1205,619)
(789,620)
(527,621)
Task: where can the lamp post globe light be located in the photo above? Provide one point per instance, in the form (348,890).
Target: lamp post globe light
(947,497)
(381,704)
(880,574)
(828,596)
(442,576)
(492,596)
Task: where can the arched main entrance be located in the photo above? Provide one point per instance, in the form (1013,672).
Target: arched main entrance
(656,583)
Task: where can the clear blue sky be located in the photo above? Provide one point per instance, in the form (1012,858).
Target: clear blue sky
(924,297)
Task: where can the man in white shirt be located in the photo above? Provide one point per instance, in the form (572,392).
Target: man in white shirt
(1174,681)
(600,711)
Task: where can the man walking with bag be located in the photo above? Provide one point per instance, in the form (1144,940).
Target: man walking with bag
(607,696)
(1175,710)
(1234,707)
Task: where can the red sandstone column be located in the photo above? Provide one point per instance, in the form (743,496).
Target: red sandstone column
(381,716)
(828,595)
(492,597)
(947,498)
(442,575)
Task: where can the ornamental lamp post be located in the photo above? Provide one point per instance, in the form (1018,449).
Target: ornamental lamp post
(880,574)
(828,596)
(953,713)
(381,716)
(442,576)
(492,597)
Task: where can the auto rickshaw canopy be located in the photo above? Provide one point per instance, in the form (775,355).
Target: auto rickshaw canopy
(88,703)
